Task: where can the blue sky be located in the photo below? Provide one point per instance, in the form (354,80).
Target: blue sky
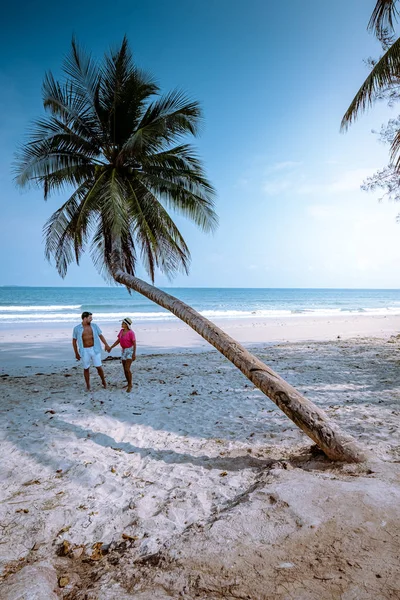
(274,80)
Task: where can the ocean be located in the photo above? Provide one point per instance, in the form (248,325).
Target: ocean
(65,304)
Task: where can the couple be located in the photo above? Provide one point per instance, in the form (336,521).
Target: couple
(86,339)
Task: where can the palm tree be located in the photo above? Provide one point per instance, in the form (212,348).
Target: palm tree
(387,69)
(120,151)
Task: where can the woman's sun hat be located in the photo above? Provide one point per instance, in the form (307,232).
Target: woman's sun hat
(127,321)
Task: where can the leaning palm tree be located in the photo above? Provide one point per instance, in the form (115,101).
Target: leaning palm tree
(119,147)
(386,71)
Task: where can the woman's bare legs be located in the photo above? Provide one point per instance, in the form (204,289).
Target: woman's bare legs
(128,375)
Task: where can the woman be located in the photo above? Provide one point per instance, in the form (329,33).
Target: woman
(127,340)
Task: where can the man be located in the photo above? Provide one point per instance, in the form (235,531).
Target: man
(86,343)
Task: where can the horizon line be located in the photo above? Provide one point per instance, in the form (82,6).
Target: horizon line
(197,287)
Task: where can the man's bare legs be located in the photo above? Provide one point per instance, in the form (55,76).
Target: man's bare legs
(86,373)
(128,375)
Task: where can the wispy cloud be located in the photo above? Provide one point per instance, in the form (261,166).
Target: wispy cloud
(283,166)
(348,181)
(273,188)
(260,170)
(324,212)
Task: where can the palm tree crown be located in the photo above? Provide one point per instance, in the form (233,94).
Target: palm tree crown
(110,137)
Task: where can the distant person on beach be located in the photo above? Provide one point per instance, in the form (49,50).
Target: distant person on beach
(86,339)
(127,340)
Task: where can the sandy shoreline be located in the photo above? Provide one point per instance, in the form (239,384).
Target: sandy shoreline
(26,347)
(196,485)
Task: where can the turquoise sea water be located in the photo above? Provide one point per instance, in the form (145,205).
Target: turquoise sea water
(64,305)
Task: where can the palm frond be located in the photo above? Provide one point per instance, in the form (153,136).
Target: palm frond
(62,179)
(381,76)
(124,93)
(103,249)
(159,239)
(84,75)
(383,16)
(64,241)
(112,205)
(188,194)
(395,151)
(37,161)
(65,101)
(166,120)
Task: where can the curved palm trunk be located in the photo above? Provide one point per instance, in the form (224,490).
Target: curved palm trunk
(312,420)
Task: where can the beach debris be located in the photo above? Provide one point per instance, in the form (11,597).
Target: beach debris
(72,551)
(98,551)
(113,470)
(64,548)
(51,411)
(63,581)
(22,510)
(133,538)
(63,530)
(194,393)
(285,565)
(31,482)
(223,474)
(36,546)
(77,552)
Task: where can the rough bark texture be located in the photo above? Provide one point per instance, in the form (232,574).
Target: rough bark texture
(312,420)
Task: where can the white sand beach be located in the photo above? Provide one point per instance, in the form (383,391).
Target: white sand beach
(25,347)
(195,485)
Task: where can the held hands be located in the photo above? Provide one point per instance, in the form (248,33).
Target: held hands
(107,348)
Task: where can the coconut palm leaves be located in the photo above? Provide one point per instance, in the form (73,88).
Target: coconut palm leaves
(111,140)
(383,16)
(386,71)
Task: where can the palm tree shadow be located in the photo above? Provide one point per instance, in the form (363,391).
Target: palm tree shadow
(236,463)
